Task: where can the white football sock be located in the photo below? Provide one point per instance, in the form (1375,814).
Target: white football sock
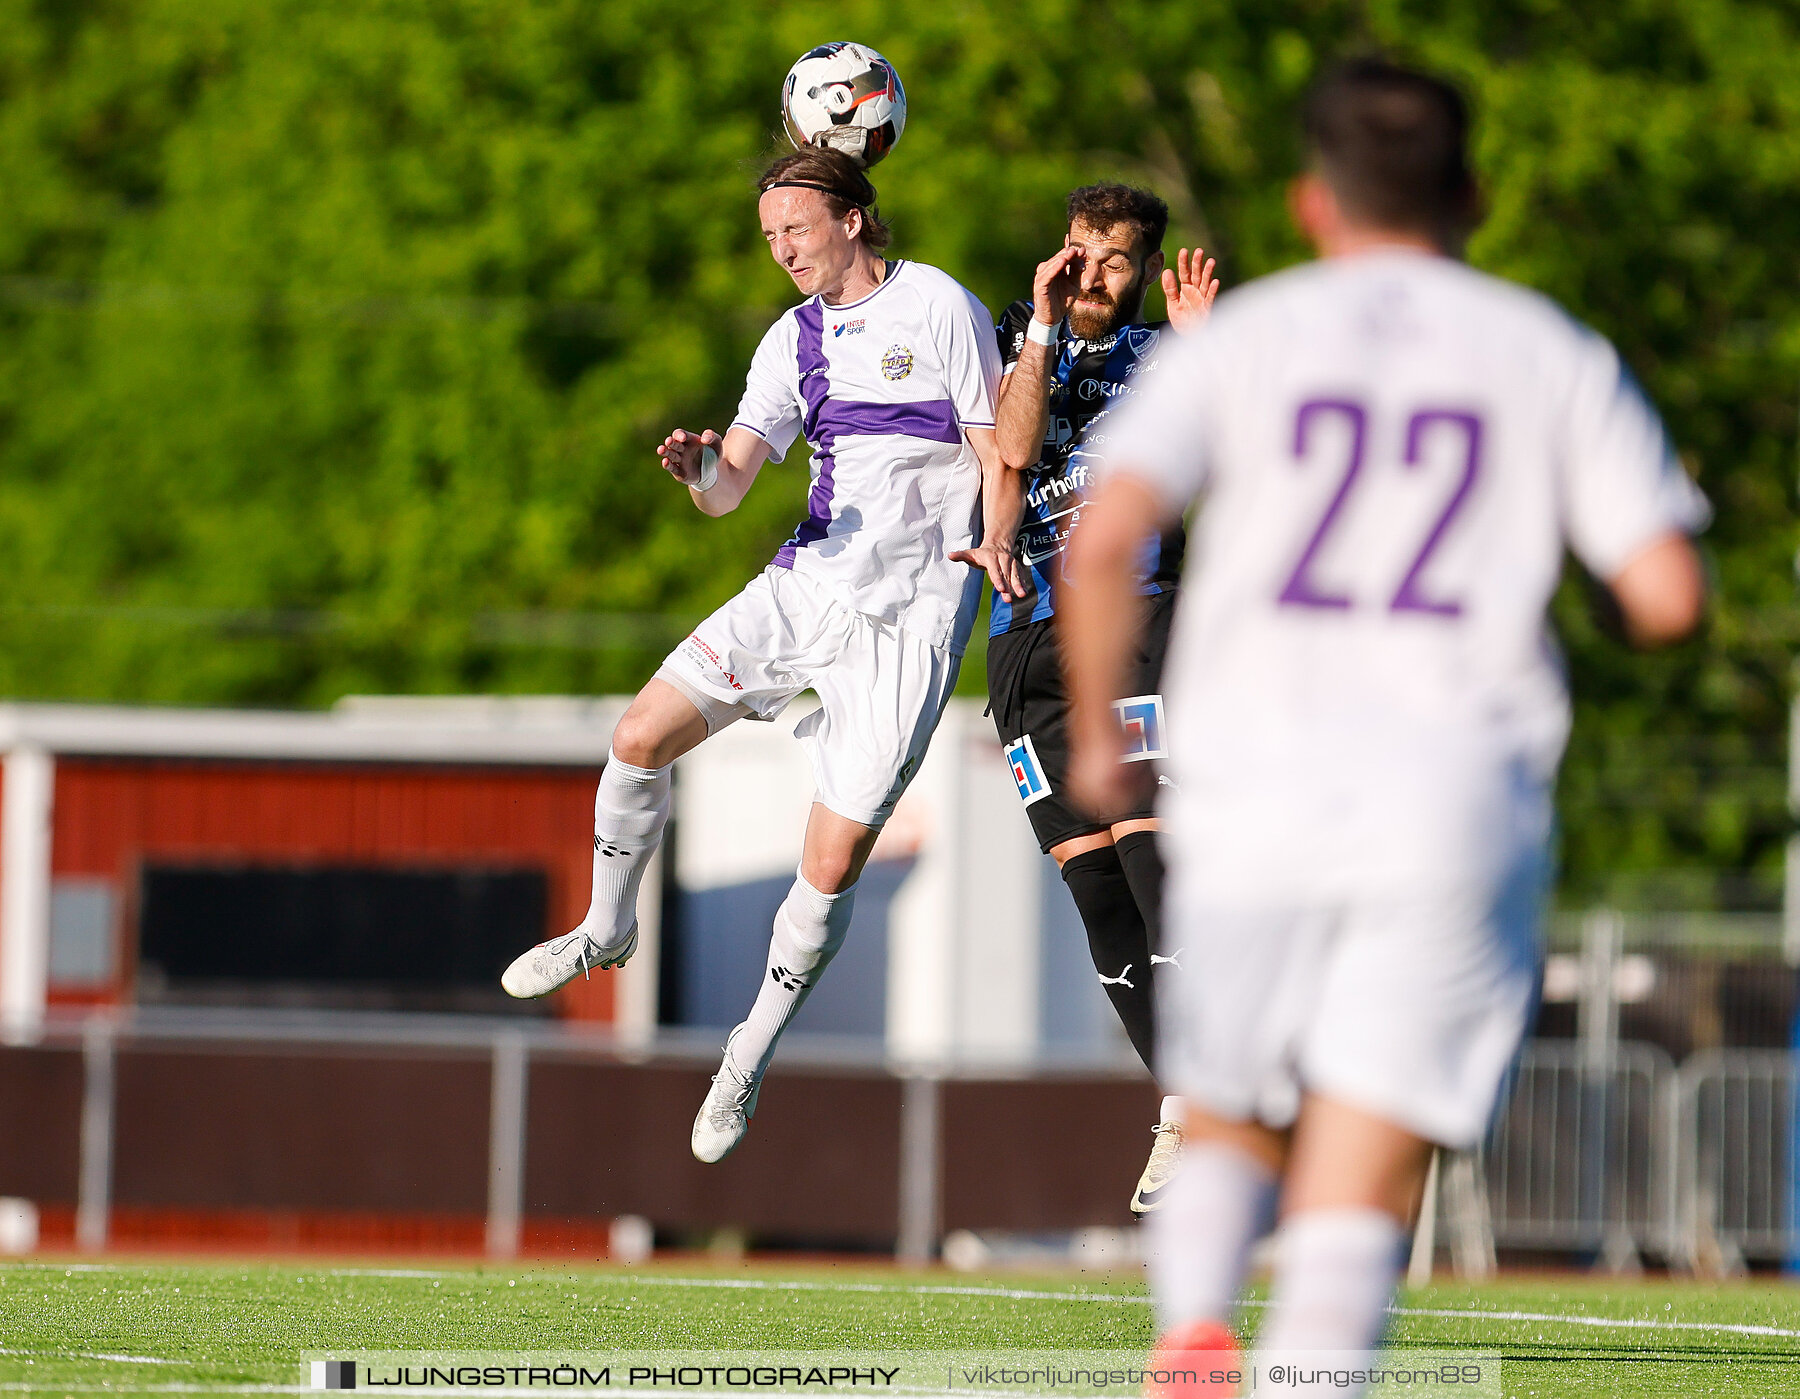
(809,929)
(1335,1272)
(629,811)
(1220,1203)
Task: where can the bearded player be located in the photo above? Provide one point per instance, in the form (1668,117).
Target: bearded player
(1366,713)
(1073,353)
(889,370)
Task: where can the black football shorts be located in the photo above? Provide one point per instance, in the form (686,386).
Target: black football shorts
(1030,705)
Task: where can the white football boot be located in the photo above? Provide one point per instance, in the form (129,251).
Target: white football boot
(555,963)
(725,1115)
(1159,1170)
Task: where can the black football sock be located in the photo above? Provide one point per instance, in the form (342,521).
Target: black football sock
(1144,870)
(1116,940)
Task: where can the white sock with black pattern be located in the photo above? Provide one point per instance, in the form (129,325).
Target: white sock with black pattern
(809,929)
(630,808)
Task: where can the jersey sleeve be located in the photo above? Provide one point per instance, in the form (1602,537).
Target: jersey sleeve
(1009,335)
(971,361)
(1624,489)
(1162,435)
(769,407)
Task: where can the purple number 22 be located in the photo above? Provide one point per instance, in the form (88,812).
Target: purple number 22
(1300,589)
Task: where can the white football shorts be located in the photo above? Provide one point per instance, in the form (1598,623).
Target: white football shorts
(881,688)
(1411,1009)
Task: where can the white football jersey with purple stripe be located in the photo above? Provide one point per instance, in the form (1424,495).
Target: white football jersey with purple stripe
(1393,452)
(883,388)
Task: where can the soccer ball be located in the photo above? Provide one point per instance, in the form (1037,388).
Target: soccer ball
(846,97)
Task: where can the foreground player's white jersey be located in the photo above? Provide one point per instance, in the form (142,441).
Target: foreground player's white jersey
(1392,452)
(883,388)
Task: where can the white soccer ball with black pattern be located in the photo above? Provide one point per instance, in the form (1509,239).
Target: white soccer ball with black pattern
(846,97)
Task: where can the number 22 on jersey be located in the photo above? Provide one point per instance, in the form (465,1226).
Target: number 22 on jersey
(1408,593)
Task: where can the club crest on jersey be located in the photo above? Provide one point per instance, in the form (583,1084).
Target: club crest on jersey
(1140,340)
(1027,772)
(1141,717)
(897,363)
(849,328)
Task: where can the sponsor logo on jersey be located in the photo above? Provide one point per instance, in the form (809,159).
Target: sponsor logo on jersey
(1027,772)
(1046,539)
(1141,717)
(849,328)
(1102,388)
(1051,490)
(897,363)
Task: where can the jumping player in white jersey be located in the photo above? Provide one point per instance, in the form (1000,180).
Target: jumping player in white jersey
(1365,710)
(890,370)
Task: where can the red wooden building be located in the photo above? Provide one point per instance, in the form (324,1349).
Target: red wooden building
(384,855)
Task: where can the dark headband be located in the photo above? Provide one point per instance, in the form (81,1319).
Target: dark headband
(822,189)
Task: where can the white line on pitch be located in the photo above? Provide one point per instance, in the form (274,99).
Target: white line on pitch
(1024,1294)
(1617,1323)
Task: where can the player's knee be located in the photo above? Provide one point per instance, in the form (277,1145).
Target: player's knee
(640,739)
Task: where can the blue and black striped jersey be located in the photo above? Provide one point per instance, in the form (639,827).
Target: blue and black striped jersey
(1088,378)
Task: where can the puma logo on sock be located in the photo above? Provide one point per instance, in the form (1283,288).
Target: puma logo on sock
(604,849)
(1119,980)
(787,980)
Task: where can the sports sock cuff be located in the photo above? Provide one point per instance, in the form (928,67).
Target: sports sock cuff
(1103,860)
(631,771)
(819,898)
(1173,1110)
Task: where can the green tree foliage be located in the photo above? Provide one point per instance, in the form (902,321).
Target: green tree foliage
(335,337)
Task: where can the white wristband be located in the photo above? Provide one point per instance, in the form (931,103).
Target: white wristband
(1040,334)
(709,470)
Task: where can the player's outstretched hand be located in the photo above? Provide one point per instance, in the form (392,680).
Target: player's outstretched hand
(996,559)
(680,453)
(1055,285)
(1189,287)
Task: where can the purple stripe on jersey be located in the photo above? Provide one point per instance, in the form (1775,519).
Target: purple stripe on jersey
(935,421)
(815,387)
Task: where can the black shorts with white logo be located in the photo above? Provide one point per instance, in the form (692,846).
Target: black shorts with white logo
(1030,705)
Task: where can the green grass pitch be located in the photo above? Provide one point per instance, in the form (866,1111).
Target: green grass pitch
(78,1327)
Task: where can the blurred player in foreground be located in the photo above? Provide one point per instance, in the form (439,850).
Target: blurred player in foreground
(1366,711)
(1073,354)
(889,369)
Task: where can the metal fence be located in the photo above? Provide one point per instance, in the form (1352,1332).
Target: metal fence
(1735,1136)
(1583,1155)
(1625,1157)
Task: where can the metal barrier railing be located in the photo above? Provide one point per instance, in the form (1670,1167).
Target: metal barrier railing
(1734,1134)
(1582,1156)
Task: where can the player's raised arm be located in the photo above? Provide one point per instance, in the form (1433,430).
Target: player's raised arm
(1002,503)
(717,472)
(1024,411)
